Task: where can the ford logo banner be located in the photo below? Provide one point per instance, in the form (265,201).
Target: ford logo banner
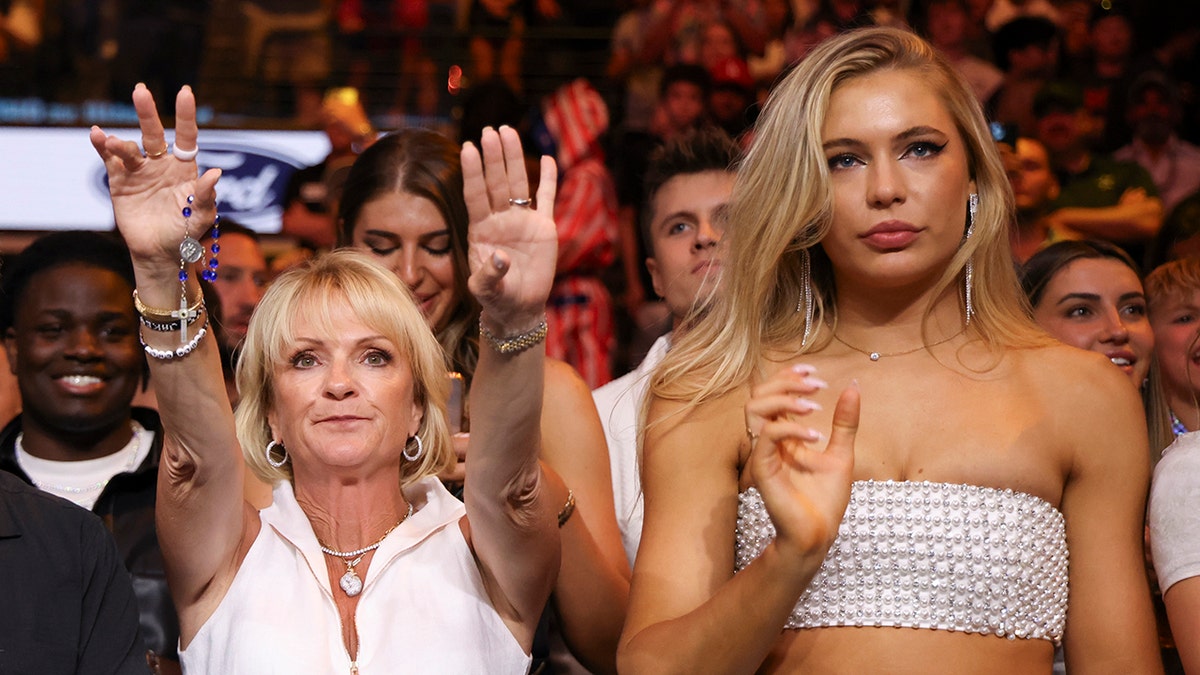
(68,188)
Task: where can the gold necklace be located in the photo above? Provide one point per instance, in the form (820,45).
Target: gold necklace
(350,581)
(875,356)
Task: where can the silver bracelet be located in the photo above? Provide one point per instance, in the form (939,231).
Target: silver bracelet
(517,343)
(179,352)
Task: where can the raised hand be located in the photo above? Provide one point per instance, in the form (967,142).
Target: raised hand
(513,243)
(150,190)
(804,488)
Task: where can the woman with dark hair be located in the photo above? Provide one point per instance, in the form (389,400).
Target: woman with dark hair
(1088,293)
(425,165)
(403,204)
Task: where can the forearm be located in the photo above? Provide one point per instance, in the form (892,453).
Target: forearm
(591,597)
(1124,222)
(190,389)
(506,405)
(733,631)
(1183,611)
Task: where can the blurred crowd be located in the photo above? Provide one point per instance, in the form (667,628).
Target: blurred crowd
(1093,108)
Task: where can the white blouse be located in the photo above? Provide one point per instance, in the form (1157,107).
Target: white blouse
(423,608)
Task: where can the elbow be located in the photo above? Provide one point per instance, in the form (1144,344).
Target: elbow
(633,660)
(527,500)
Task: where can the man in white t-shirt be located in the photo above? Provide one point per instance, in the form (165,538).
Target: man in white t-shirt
(688,183)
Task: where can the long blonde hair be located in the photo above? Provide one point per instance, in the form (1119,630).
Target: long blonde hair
(310,293)
(783,207)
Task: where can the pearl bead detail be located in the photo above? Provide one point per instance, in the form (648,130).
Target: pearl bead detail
(940,556)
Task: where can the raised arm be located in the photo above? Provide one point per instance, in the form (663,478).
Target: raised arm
(512,249)
(688,612)
(199,511)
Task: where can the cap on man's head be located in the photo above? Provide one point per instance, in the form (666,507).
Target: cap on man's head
(1057,96)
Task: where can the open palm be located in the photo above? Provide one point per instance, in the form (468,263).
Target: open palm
(149,192)
(512,247)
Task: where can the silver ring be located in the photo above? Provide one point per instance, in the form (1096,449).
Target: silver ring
(523,203)
(185,155)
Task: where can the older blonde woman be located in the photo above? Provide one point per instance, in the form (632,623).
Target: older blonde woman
(363,562)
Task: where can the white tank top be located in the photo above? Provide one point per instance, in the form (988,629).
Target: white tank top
(423,607)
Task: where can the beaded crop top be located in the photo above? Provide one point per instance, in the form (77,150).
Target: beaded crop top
(931,555)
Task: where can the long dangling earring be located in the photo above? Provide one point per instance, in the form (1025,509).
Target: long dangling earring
(271,460)
(806,301)
(414,456)
(972,211)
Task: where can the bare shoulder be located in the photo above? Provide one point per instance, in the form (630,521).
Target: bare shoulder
(1074,380)
(716,425)
(1090,404)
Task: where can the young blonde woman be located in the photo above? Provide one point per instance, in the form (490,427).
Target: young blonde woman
(920,520)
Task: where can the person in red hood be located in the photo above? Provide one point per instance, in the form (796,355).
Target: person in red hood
(570,126)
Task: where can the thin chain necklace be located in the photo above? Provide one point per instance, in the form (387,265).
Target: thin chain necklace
(350,581)
(134,443)
(875,356)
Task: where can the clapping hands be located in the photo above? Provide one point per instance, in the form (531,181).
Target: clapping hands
(805,487)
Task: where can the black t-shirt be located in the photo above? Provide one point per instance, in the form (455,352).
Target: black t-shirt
(68,602)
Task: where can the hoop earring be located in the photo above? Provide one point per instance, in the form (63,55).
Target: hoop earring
(806,301)
(271,460)
(972,211)
(415,455)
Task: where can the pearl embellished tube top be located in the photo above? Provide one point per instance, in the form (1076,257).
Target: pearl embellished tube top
(942,556)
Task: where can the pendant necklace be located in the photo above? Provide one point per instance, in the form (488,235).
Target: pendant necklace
(875,356)
(350,581)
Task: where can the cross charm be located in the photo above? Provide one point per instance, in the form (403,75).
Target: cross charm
(184,316)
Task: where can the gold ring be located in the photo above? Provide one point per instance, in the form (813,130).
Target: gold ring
(751,435)
(160,153)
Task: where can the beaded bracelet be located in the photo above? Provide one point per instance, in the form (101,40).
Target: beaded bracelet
(178,352)
(517,343)
(565,514)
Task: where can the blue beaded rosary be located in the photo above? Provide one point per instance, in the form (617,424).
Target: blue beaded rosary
(190,252)
(1177,427)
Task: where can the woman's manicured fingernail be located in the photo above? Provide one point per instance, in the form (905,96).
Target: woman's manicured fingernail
(815,382)
(807,405)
